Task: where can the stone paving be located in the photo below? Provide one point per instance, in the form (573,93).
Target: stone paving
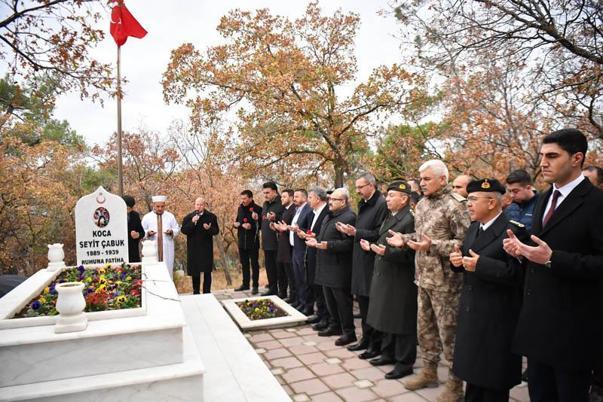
(312,368)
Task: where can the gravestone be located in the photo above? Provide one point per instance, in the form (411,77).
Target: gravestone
(101,228)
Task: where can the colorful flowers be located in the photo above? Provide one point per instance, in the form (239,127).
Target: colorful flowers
(107,288)
(260,309)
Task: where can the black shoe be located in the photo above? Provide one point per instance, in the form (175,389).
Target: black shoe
(369,354)
(320,326)
(254,291)
(345,340)
(398,372)
(363,344)
(288,300)
(313,319)
(382,361)
(241,288)
(268,293)
(308,312)
(330,331)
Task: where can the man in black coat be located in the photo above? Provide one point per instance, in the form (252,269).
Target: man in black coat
(271,213)
(393,307)
(283,256)
(309,228)
(371,212)
(135,230)
(200,226)
(560,321)
(247,223)
(490,298)
(334,267)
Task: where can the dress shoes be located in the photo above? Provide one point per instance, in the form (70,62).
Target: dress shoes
(313,319)
(307,312)
(288,300)
(320,326)
(382,361)
(283,297)
(242,288)
(369,354)
(330,331)
(268,293)
(363,344)
(398,372)
(345,339)
(254,291)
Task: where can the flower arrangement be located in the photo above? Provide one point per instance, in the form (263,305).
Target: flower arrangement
(111,287)
(260,309)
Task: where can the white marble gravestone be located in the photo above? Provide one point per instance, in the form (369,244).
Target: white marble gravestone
(101,228)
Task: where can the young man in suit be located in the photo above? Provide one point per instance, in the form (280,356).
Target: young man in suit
(560,321)
(490,298)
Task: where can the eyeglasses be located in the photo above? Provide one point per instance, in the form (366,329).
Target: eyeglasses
(473,198)
(363,186)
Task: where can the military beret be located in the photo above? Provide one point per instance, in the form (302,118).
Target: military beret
(399,185)
(129,200)
(486,186)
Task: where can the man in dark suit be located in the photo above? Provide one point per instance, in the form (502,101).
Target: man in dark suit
(561,318)
(309,228)
(283,256)
(200,226)
(371,212)
(490,298)
(393,307)
(334,267)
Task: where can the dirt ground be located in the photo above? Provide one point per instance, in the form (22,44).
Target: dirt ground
(218,281)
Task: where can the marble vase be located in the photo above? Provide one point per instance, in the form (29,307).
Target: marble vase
(70,305)
(56,257)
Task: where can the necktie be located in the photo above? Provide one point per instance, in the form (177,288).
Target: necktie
(551,210)
(159,238)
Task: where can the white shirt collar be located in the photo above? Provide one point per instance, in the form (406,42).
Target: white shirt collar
(569,187)
(318,210)
(486,225)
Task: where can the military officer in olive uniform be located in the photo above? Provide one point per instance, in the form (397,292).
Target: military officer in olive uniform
(393,294)
(490,298)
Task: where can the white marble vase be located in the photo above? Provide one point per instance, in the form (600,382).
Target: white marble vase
(70,305)
(56,256)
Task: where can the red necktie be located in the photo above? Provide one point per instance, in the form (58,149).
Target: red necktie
(551,210)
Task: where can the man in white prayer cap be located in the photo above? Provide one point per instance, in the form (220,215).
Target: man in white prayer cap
(162,226)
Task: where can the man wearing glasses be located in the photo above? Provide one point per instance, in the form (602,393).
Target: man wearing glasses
(334,267)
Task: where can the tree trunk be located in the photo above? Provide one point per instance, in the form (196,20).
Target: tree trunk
(339,175)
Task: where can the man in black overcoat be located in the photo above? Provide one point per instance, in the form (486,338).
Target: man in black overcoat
(371,212)
(248,223)
(560,322)
(135,230)
(490,298)
(271,213)
(334,267)
(393,307)
(200,226)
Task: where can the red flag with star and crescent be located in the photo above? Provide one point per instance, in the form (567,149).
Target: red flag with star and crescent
(123,24)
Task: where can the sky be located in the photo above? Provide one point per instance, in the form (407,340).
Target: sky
(171,23)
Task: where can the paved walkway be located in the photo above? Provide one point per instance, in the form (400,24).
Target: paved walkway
(312,368)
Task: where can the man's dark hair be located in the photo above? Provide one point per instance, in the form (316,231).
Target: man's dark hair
(270,184)
(129,200)
(302,190)
(248,193)
(519,176)
(599,172)
(570,140)
(289,191)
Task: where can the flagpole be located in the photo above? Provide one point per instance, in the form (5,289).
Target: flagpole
(119,154)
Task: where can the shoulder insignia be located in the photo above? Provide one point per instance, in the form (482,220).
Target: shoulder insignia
(458,197)
(518,224)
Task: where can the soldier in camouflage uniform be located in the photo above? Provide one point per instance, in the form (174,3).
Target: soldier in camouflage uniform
(441,220)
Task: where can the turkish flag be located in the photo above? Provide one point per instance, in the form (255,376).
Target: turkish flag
(123,24)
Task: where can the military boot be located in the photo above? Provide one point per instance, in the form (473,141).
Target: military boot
(453,391)
(426,378)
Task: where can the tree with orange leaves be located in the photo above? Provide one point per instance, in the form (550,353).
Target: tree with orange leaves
(284,79)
